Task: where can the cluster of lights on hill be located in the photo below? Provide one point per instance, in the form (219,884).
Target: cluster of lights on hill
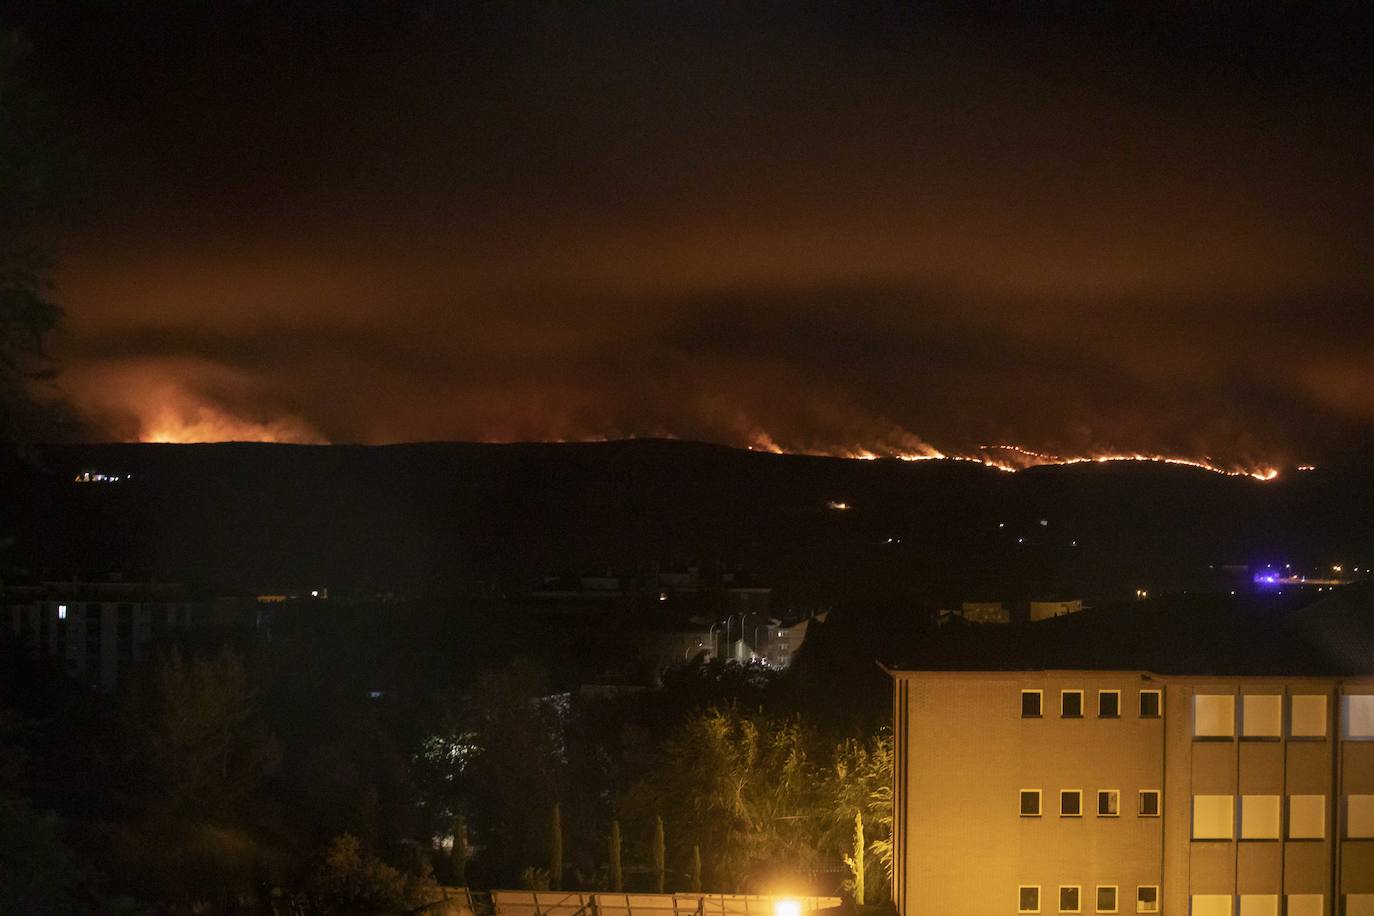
(1015,458)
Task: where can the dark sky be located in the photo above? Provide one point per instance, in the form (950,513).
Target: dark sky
(894,227)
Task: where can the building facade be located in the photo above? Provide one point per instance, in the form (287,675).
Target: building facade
(1130,792)
(97,630)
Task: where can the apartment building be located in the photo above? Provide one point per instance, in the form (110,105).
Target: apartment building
(96,629)
(1085,791)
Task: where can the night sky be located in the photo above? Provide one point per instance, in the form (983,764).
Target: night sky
(819,227)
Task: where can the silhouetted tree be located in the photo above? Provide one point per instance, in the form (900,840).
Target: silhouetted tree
(556,849)
(617,874)
(660,855)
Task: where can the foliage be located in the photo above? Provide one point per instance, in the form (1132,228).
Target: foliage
(352,881)
(534,879)
(860,786)
(37,872)
(743,789)
(195,738)
(27,314)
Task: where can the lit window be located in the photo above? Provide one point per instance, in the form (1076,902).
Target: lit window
(1070,898)
(1211,905)
(1147,803)
(1071,803)
(1307,716)
(1304,905)
(1259,905)
(1214,716)
(1259,817)
(1213,817)
(1306,817)
(1261,716)
(1030,802)
(1071,704)
(1108,803)
(1359,716)
(1109,704)
(1147,898)
(1028,898)
(1031,703)
(1359,905)
(61,612)
(1151,704)
(1359,817)
(1106,898)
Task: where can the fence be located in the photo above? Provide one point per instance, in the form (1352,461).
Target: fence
(553,903)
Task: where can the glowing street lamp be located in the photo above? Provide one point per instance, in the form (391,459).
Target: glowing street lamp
(787,907)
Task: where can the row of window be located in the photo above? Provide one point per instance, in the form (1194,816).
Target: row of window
(1261,817)
(1268,905)
(1106,898)
(1151,704)
(1108,803)
(1261,715)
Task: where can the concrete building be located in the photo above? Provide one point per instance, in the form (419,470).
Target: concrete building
(97,629)
(1073,791)
(1044,610)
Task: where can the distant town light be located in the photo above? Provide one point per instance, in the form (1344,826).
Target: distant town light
(61,612)
(839,506)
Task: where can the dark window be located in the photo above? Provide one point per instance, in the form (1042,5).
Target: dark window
(1106,899)
(1031,701)
(1028,900)
(1147,898)
(1108,704)
(1108,803)
(1149,704)
(1030,803)
(1149,803)
(1070,803)
(1071,704)
(1068,900)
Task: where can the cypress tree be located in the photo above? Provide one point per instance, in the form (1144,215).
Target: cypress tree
(459,857)
(617,876)
(858,863)
(556,849)
(660,868)
(696,869)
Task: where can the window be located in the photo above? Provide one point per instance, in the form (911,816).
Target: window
(1359,817)
(1214,716)
(1307,716)
(1359,718)
(1359,905)
(1071,704)
(1108,803)
(1028,898)
(1151,704)
(1069,901)
(61,612)
(1071,803)
(1030,802)
(1213,817)
(1259,905)
(1306,817)
(1211,905)
(1261,716)
(1031,703)
(1259,817)
(1304,905)
(1147,898)
(1147,803)
(1109,704)
(1106,898)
